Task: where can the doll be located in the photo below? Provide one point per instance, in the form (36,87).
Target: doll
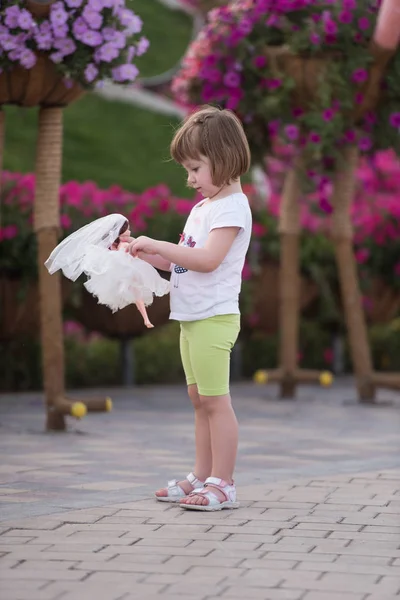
(115,277)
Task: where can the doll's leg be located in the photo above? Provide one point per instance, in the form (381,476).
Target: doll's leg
(142,309)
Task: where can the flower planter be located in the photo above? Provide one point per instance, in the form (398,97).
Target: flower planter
(125,323)
(42,86)
(308,71)
(266,296)
(19,308)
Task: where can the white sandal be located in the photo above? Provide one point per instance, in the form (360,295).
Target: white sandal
(214,503)
(176,493)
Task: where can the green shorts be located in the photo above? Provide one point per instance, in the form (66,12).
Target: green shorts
(206,349)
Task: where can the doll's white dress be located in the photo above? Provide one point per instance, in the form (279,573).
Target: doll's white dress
(118,279)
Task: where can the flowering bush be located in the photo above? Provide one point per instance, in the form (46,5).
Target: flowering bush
(375,213)
(229,64)
(155,211)
(87,40)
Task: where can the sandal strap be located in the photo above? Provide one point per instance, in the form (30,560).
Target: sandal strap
(218,483)
(194,481)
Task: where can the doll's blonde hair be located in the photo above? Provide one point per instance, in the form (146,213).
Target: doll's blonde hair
(218,135)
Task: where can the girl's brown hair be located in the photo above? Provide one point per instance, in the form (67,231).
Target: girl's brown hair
(217,134)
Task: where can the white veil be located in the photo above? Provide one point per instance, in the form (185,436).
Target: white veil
(69,255)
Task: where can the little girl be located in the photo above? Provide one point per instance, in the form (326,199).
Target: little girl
(206,269)
(115,278)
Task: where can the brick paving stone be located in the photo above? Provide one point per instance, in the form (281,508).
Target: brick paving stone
(332,596)
(319,484)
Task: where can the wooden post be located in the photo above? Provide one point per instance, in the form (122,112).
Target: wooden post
(289,228)
(342,233)
(46,224)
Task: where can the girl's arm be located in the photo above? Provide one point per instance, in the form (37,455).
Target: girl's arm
(157,261)
(203,260)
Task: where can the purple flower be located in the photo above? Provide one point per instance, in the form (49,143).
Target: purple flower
(259,61)
(330,27)
(91,38)
(60,32)
(273,127)
(272,21)
(350,136)
(108,52)
(314,137)
(345,16)
(291,132)
(108,34)
(297,112)
(15,54)
(328,114)
(125,73)
(365,144)
(11,16)
(142,46)
(56,57)
(58,16)
(395,119)
(349,4)
(234,99)
(325,205)
(272,84)
(25,20)
(66,46)
(91,72)
(132,22)
(359,76)
(73,3)
(92,18)
(79,28)
(232,79)
(363,23)
(8,42)
(96,5)
(359,98)
(130,54)
(315,39)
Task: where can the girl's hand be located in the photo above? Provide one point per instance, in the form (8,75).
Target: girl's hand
(142,244)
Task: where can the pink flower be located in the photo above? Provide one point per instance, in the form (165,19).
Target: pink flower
(362,255)
(363,23)
(359,76)
(259,229)
(8,232)
(328,355)
(65,221)
(246,273)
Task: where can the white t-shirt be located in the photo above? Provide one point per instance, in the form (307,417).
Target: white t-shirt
(195,295)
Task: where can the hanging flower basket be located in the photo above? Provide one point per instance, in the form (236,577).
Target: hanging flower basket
(305,76)
(125,323)
(42,85)
(19,307)
(53,51)
(308,73)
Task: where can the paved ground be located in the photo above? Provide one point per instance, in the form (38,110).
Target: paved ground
(319,482)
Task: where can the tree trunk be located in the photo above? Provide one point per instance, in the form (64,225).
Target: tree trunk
(46,223)
(342,233)
(289,227)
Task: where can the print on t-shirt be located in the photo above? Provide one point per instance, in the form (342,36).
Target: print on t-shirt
(190,243)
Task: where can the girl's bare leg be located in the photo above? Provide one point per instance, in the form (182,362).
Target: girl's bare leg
(224,441)
(142,309)
(203,464)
